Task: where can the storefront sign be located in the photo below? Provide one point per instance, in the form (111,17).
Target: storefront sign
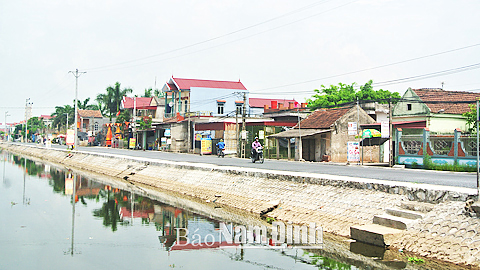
(352,128)
(353,151)
(132,143)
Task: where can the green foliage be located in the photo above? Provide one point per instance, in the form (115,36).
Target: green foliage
(123,117)
(109,102)
(148,92)
(85,106)
(270,220)
(60,116)
(415,260)
(334,95)
(471,118)
(145,122)
(428,164)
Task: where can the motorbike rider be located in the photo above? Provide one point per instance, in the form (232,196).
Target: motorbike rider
(255,145)
(220,146)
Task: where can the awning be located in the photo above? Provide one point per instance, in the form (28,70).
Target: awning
(295,133)
(373,141)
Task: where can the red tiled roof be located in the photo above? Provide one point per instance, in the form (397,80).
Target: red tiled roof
(186,84)
(439,99)
(47,117)
(90,113)
(143,103)
(261,102)
(323,119)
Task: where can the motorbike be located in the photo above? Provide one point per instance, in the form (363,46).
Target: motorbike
(258,156)
(220,153)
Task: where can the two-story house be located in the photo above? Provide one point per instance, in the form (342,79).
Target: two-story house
(188,101)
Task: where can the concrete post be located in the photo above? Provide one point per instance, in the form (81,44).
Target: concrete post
(289,150)
(398,137)
(426,139)
(278,148)
(456,140)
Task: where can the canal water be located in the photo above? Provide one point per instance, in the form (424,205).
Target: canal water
(53,219)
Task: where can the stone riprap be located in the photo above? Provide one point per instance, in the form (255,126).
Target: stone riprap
(334,202)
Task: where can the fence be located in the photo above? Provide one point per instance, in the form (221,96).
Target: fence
(443,149)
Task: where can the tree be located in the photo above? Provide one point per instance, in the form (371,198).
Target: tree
(85,106)
(110,102)
(60,116)
(471,118)
(148,93)
(335,96)
(123,117)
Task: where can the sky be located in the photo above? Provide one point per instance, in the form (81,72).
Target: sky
(277,49)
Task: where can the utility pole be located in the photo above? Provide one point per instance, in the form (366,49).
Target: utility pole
(478,155)
(67,124)
(76,74)
(390,152)
(236,132)
(244,130)
(7,131)
(189,143)
(300,149)
(27,102)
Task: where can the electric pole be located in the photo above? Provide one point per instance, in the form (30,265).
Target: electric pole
(244,132)
(27,102)
(76,74)
(7,131)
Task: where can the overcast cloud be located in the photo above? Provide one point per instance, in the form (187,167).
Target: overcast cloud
(41,40)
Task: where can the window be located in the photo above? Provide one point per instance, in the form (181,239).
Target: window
(96,126)
(239,106)
(409,107)
(186,104)
(220,107)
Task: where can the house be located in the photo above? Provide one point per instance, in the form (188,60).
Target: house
(435,109)
(324,135)
(188,101)
(144,106)
(203,97)
(90,121)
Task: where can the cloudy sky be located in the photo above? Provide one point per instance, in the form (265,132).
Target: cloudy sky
(281,48)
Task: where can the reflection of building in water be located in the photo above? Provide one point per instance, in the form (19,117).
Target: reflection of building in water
(202,231)
(84,187)
(167,219)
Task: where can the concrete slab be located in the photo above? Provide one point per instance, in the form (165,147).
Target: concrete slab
(392,221)
(404,213)
(373,234)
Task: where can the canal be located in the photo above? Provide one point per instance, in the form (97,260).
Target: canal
(55,219)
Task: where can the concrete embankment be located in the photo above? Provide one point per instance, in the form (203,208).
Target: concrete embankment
(444,232)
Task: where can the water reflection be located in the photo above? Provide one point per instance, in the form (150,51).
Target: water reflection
(131,221)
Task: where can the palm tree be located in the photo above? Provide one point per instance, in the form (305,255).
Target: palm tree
(85,106)
(109,103)
(148,93)
(60,116)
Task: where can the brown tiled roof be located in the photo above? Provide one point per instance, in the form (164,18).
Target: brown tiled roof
(322,118)
(90,114)
(445,100)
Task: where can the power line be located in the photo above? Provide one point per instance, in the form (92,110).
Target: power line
(103,68)
(373,68)
(396,81)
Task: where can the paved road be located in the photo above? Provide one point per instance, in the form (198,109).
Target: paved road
(405,175)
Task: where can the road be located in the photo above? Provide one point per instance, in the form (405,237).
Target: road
(468,180)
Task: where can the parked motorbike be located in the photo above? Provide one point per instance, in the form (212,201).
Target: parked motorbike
(220,153)
(258,156)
